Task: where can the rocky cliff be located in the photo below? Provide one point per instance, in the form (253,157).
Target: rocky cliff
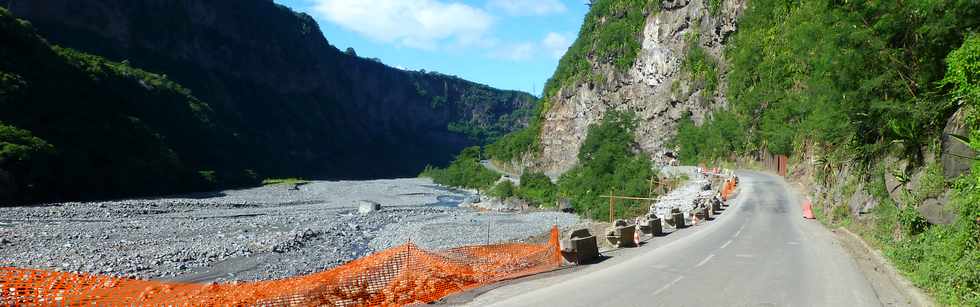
(302,107)
(679,71)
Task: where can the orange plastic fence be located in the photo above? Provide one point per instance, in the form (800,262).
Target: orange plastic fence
(396,276)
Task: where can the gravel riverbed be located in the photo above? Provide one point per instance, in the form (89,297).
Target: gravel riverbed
(253,234)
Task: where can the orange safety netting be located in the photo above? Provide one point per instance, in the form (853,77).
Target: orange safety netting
(396,276)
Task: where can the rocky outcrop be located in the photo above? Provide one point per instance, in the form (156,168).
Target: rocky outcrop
(956,156)
(304,107)
(656,88)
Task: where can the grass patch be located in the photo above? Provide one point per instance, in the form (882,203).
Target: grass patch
(274,181)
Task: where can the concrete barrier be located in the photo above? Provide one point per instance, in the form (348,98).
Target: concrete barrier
(621,236)
(586,249)
(580,247)
(678,218)
(655,226)
(716,205)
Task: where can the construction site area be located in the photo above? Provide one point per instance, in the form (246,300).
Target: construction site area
(119,252)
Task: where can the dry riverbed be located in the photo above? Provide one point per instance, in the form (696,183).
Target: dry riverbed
(253,234)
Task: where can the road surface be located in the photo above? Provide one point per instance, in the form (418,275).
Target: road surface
(759,252)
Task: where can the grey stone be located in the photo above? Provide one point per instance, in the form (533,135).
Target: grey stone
(367,206)
(937,210)
(861,202)
(956,155)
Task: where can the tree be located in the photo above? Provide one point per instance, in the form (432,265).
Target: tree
(350,51)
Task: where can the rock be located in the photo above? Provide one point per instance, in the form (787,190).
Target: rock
(956,155)
(861,202)
(367,206)
(893,184)
(937,211)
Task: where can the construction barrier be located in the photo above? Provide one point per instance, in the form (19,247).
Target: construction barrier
(808,209)
(397,276)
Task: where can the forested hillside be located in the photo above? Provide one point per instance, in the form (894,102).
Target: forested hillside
(275,98)
(870,100)
(74,125)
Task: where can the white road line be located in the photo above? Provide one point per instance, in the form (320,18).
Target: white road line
(704,261)
(726,244)
(739,231)
(662,289)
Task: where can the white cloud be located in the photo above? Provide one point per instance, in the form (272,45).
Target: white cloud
(515,52)
(528,7)
(424,24)
(553,45)
(556,44)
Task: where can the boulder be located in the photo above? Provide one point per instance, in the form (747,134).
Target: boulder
(861,202)
(955,154)
(367,206)
(894,186)
(937,211)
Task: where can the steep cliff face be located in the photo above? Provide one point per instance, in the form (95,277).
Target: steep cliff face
(303,107)
(679,71)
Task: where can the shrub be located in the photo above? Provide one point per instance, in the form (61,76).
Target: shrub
(537,189)
(608,162)
(465,171)
(503,190)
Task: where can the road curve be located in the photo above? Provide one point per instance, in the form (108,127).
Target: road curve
(759,252)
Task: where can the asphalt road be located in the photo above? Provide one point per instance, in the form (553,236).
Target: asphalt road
(758,252)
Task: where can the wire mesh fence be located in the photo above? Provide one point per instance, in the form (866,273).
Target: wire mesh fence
(397,276)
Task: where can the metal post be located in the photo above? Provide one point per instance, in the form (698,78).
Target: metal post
(612,206)
(489,220)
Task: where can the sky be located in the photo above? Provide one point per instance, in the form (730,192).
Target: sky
(507,44)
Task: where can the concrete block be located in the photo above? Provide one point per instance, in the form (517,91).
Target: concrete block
(579,233)
(620,223)
(621,236)
(655,226)
(678,220)
(566,242)
(586,249)
(626,236)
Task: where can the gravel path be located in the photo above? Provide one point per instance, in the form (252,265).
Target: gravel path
(252,234)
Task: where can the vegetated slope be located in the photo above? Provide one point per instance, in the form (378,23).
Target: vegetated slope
(73,125)
(636,70)
(868,99)
(304,107)
(658,59)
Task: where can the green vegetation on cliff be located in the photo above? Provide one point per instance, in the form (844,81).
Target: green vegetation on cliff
(74,125)
(608,163)
(855,76)
(271,99)
(854,83)
(610,35)
(465,171)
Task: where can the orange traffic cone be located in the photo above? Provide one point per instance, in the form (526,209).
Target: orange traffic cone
(808,209)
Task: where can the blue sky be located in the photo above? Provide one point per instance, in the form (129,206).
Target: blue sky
(508,44)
